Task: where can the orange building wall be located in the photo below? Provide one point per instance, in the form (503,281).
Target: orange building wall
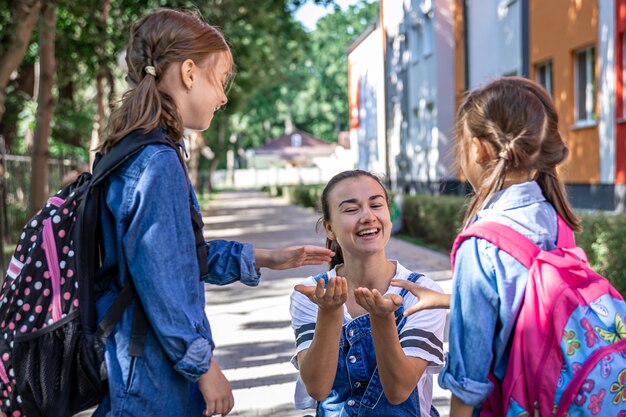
(557,29)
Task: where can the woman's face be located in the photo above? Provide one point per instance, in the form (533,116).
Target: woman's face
(359,216)
(206,94)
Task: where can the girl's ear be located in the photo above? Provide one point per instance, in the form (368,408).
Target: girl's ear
(329,231)
(481,151)
(188,73)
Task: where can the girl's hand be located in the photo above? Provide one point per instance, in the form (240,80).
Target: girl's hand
(427,298)
(292,257)
(375,303)
(330,298)
(217,392)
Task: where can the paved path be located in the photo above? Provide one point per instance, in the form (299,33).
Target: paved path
(251,326)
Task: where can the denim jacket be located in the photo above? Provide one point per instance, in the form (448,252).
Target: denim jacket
(488,290)
(148,235)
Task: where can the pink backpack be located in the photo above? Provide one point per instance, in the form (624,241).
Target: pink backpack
(568,353)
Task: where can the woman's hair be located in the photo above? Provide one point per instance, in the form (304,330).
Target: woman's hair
(157,40)
(325,207)
(517,118)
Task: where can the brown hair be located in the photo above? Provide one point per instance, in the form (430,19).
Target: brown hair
(160,38)
(325,207)
(517,118)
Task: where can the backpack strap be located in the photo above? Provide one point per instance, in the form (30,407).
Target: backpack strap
(504,237)
(400,319)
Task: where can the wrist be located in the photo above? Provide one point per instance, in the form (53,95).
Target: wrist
(262,257)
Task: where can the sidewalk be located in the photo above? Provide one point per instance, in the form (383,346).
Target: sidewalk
(251,326)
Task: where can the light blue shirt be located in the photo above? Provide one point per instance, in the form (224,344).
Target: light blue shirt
(488,290)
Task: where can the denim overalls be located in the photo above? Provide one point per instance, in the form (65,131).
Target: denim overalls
(358,390)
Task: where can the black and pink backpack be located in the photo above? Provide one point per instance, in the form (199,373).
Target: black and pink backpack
(51,343)
(568,350)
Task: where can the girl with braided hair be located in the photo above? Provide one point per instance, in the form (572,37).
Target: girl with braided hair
(509,149)
(178,68)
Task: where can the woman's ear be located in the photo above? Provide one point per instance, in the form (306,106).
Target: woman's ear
(188,73)
(481,151)
(329,231)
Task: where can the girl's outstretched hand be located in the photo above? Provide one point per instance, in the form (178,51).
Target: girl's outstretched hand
(332,297)
(375,303)
(292,256)
(427,298)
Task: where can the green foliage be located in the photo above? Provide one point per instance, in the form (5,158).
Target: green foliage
(604,240)
(433,219)
(304,195)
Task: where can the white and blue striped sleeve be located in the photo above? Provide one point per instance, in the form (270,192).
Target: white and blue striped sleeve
(303,318)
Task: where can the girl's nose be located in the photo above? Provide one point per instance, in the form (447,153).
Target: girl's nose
(368,216)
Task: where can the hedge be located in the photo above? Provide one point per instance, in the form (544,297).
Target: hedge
(435,220)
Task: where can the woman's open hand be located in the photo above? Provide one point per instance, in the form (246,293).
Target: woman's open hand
(332,297)
(375,303)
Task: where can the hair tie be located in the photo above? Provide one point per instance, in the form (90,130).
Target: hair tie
(504,154)
(150,70)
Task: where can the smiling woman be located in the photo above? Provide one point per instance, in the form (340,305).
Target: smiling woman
(354,347)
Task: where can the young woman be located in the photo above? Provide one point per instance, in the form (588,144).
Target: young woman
(178,66)
(356,353)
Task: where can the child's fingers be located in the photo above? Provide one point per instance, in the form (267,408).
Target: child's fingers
(413,309)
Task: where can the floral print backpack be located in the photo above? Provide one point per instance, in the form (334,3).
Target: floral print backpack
(568,352)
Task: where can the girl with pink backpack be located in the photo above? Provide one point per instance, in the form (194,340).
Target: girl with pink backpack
(533,330)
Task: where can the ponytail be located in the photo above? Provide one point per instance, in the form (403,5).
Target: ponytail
(555,193)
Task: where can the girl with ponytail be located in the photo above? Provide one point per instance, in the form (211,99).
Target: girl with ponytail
(356,353)
(509,149)
(178,68)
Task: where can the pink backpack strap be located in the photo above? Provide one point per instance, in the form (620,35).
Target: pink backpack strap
(565,237)
(507,239)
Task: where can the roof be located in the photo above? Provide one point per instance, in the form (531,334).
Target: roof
(296,145)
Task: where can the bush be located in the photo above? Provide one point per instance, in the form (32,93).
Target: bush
(304,195)
(433,219)
(604,240)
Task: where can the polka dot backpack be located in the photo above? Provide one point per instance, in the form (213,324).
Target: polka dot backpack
(51,344)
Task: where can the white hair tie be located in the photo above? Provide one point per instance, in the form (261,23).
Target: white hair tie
(150,70)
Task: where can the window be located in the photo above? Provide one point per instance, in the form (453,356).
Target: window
(296,140)
(544,75)
(428,28)
(585,86)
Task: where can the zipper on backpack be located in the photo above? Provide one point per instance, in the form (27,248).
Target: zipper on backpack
(53,267)
(583,372)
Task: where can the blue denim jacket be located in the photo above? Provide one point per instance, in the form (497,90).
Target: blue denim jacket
(148,235)
(488,290)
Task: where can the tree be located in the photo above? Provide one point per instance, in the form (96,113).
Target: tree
(24,15)
(45,108)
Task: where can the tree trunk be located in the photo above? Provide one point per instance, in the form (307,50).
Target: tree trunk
(24,18)
(45,108)
(195,143)
(98,126)
(221,139)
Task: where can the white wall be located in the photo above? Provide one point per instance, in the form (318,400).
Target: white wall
(367,141)
(494,39)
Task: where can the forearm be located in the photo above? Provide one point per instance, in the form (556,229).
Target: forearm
(318,364)
(459,409)
(399,374)
(263,257)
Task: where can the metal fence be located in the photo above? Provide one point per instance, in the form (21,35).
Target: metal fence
(14,195)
